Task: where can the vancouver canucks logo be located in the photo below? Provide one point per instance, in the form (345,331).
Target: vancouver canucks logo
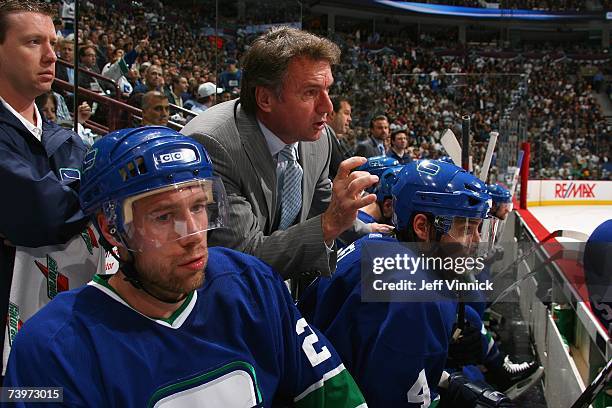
(69,174)
(90,159)
(56,282)
(428,168)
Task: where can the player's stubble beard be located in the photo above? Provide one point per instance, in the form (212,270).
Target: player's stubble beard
(164,281)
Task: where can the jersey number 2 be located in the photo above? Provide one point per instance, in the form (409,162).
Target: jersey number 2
(314,357)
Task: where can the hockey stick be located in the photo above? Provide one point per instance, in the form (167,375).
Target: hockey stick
(465,164)
(465,139)
(577,235)
(486,164)
(451,145)
(595,387)
(514,285)
(515,176)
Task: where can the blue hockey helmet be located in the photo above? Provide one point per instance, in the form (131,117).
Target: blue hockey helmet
(128,166)
(597,261)
(499,194)
(445,191)
(386,182)
(502,201)
(446,159)
(378,164)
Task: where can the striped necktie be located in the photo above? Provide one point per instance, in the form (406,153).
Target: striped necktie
(291,192)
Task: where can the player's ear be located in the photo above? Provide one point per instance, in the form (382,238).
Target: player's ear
(388,207)
(105,230)
(420,225)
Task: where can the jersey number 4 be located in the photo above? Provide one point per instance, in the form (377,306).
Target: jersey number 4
(419,392)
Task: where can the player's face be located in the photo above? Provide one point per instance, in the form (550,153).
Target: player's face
(502,210)
(171,227)
(301,111)
(27,57)
(464,231)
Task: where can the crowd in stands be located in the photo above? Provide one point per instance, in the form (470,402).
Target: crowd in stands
(426,90)
(543,5)
(423,86)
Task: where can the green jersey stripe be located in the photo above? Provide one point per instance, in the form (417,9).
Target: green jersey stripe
(337,388)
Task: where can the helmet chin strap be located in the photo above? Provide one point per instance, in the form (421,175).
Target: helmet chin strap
(131,274)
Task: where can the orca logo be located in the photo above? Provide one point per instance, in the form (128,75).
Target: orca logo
(428,167)
(90,159)
(68,174)
(173,156)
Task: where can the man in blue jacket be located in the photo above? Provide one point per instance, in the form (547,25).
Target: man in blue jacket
(39,161)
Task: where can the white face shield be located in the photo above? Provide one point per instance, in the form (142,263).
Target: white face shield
(174,213)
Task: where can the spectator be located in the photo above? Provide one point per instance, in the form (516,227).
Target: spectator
(206,97)
(67,50)
(374,145)
(116,70)
(230,78)
(155,109)
(254,142)
(339,121)
(399,147)
(47,103)
(156,332)
(177,88)
(154,81)
(41,218)
(225,96)
(66,54)
(87,61)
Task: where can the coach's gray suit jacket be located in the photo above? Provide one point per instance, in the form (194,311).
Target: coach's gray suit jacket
(241,157)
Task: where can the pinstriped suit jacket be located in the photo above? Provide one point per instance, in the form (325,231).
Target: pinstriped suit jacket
(241,158)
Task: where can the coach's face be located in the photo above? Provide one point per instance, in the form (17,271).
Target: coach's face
(300,112)
(27,58)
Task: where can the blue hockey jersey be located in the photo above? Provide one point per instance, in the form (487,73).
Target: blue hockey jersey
(396,351)
(237,341)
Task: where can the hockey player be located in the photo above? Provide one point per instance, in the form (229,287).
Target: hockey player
(381,210)
(597,266)
(397,351)
(377,165)
(502,201)
(179,324)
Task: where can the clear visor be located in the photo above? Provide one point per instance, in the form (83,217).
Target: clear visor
(179,212)
(489,231)
(467,234)
(502,210)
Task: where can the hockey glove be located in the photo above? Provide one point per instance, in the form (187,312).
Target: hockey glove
(461,393)
(466,349)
